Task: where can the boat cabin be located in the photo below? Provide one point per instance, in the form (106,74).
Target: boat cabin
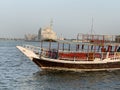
(82,51)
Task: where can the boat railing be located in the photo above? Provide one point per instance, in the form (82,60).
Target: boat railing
(80,50)
(35,49)
(114,55)
(72,55)
(90,56)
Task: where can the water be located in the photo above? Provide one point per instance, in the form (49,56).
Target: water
(17,72)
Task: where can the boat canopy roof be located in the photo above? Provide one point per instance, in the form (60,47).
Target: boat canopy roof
(87,43)
(67,42)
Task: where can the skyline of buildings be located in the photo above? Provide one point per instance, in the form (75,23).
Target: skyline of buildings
(44,34)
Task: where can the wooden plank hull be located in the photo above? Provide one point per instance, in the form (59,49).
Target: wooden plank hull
(47,64)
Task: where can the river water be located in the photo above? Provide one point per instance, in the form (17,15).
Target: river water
(17,72)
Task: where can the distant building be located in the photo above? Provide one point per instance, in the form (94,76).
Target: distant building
(60,37)
(30,37)
(117,39)
(47,34)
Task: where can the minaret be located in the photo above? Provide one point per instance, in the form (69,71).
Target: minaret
(39,34)
(51,24)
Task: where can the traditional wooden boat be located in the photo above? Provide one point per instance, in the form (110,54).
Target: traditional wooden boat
(96,55)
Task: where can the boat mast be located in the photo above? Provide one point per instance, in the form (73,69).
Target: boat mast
(92,27)
(91,31)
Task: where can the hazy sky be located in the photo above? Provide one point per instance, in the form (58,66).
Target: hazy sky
(19,17)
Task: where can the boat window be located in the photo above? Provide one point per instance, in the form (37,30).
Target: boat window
(97,48)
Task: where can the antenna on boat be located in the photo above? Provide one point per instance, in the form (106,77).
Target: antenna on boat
(92,31)
(92,27)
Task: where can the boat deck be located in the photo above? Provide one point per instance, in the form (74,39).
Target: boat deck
(31,54)
(96,61)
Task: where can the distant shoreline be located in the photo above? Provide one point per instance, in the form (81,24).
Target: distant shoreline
(11,39)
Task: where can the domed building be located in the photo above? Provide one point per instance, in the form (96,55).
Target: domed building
(47,34)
